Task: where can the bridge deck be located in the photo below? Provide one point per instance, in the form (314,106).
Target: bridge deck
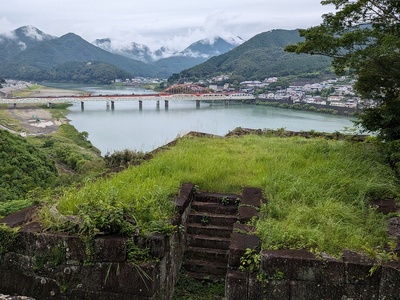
(143,97)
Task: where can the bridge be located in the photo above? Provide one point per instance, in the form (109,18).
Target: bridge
(226,97)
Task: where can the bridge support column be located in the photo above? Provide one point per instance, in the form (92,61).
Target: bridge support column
(158,104)
(112,105)
(107,105)
(15,105)
(140,104)
(166,104)
(82,106)
(226,102)
(197,103)
(49,105)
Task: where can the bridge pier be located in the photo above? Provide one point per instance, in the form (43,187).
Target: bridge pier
(112,105)
(15,105)
(49,105)
(140,104)
(197,103)
(158,104)
(82,106)
(166,104)
(226,102)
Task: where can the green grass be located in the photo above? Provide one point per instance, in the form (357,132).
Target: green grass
(192,289)
(318,189)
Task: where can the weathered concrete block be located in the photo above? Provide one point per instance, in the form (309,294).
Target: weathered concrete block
(142,280)
(255,288)
(390,282)
(301,290)
(75,249)
(241,239)
(185,197)
(246,213)
(24,243)
(292,265)
(236,285)
(357,269)
(252,196)
(276,289)
(20,217)
(110,249)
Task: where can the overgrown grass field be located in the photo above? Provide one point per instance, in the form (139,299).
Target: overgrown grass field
(318,190)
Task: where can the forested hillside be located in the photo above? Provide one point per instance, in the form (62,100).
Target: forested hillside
(46,60)
(260,57)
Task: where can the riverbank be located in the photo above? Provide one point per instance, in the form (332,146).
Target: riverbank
(33,119)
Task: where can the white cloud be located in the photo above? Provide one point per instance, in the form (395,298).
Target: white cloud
(175,23)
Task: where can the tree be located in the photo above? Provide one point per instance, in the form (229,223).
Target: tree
(363,38)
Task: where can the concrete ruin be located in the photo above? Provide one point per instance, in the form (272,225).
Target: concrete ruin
(60,266)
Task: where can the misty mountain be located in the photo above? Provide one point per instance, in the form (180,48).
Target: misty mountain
(205,49)
(68,48)
(260,57)
(133,50)
(19,40)
(169,61)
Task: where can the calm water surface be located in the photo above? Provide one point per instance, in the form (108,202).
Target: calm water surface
(128,127)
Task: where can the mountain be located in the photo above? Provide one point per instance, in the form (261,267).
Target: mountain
(133,50)
(194,54)
(68,48)
(19,40)
(169,61)
(260,57)
(207,48)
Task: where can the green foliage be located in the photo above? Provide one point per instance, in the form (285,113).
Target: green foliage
(23,167)
(363,39)
(250,261)
(305,107)
(71,149)
(123,158)
(81,72)
(137,255)
(225,200)
(7,238)
(12,206)
(318,189)
(382,255)
(192,289)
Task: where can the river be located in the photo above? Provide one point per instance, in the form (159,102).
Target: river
(128,127)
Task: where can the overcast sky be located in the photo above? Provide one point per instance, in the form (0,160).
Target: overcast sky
(173,23)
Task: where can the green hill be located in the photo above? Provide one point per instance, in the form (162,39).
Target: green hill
(37,62)
(260,57)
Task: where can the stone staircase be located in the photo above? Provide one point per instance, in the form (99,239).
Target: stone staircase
(209,230)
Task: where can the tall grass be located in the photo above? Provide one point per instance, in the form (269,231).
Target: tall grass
(318,190)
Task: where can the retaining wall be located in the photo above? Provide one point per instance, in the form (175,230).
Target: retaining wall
(53,266)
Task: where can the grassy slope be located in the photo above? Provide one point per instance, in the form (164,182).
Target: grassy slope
(318,189)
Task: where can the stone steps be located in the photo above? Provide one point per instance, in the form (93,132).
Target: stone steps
(209,230)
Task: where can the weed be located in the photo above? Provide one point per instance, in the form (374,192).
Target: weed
(191,289)
(250,261)
(225,200)
(205,220)
(309,207)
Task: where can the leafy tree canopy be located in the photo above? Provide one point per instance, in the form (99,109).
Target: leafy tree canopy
(363,38)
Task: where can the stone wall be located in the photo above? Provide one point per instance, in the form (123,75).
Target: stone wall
(301,275)
(298,274)
(55,266)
